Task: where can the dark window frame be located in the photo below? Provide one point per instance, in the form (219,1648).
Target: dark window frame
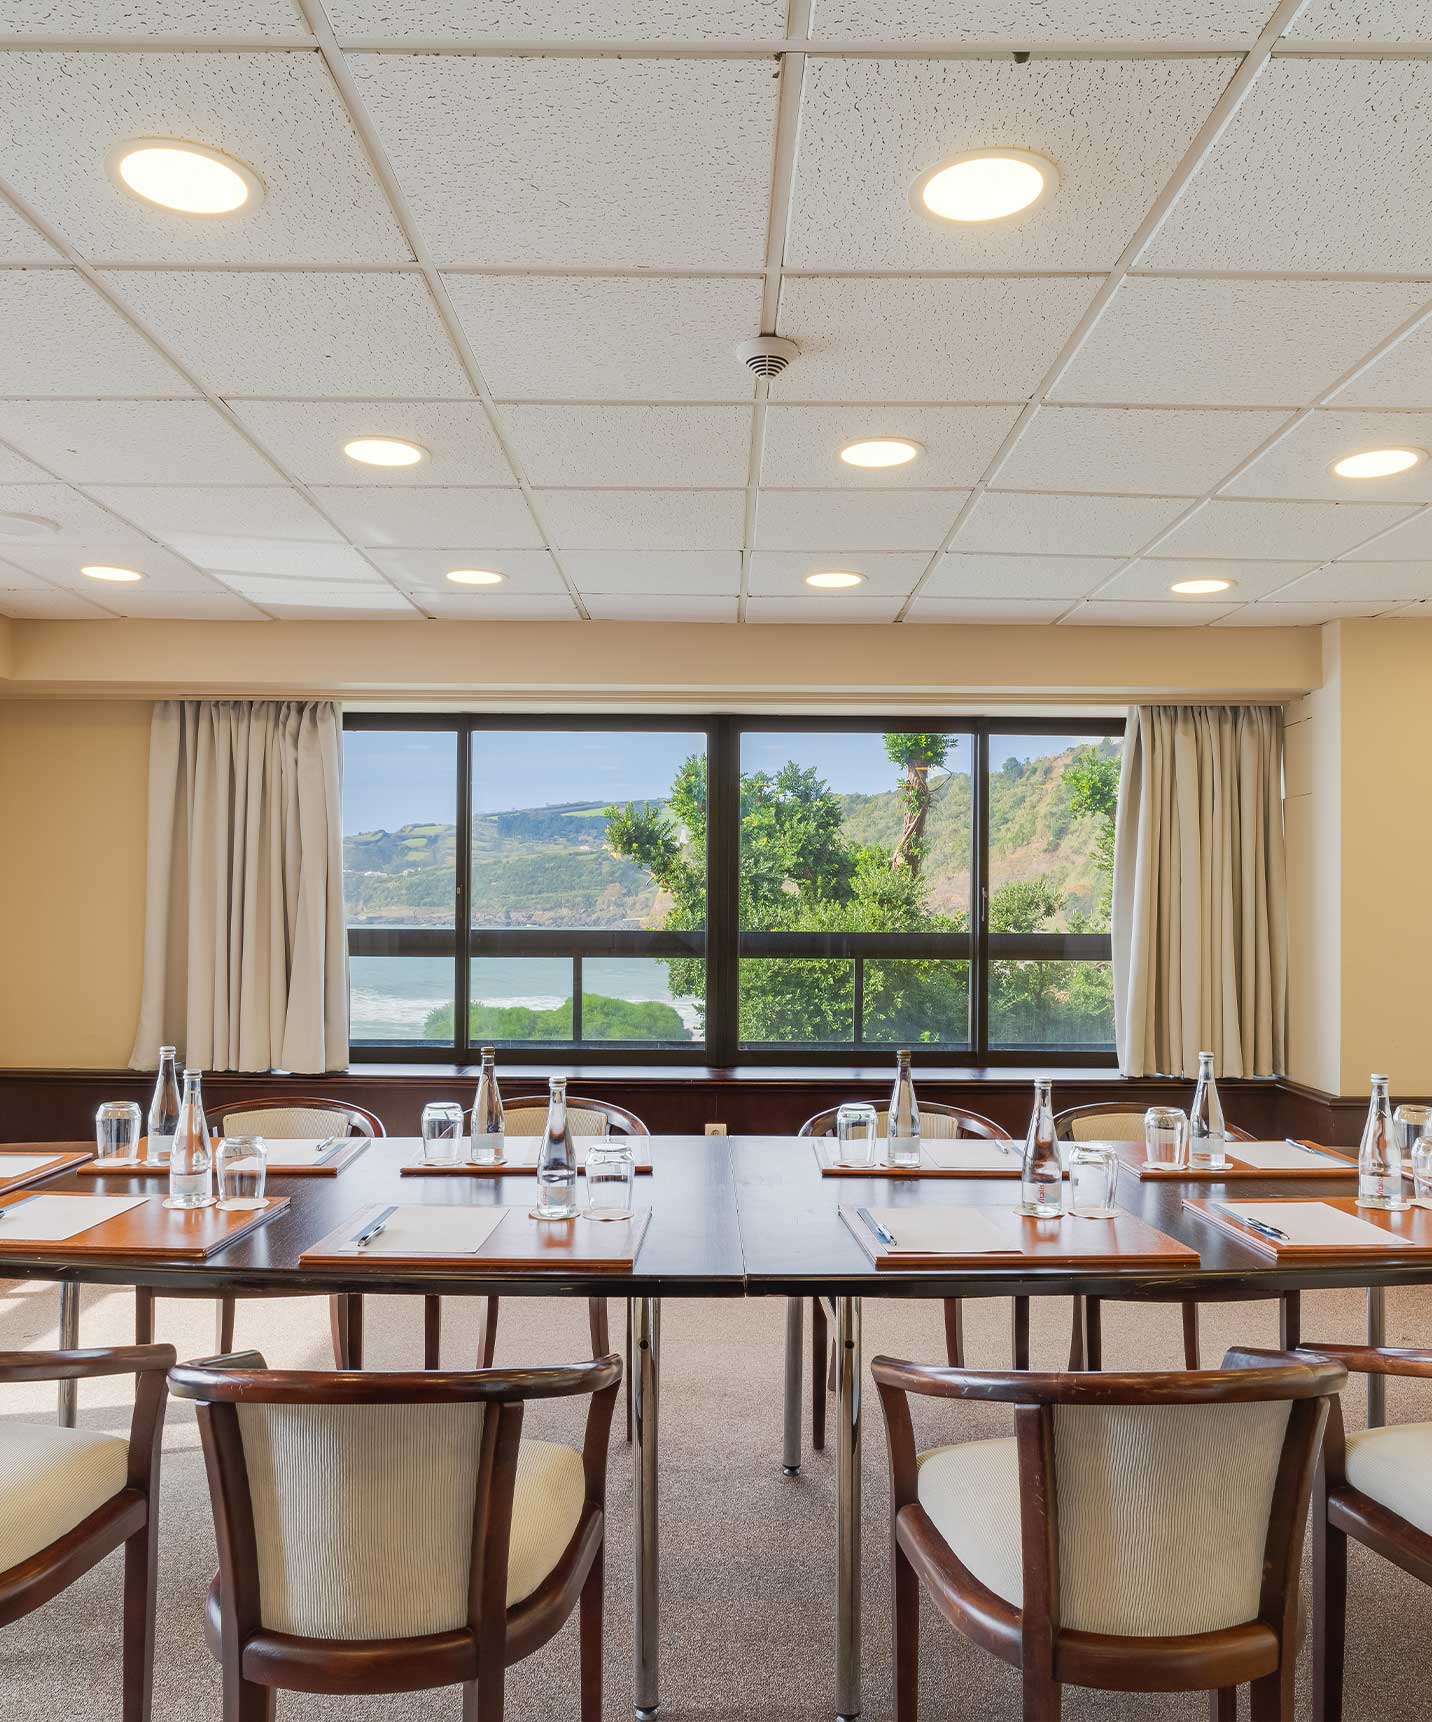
(723,943)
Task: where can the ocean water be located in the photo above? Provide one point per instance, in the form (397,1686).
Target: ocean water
(390,998)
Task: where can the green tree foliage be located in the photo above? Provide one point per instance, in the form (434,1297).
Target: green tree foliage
(602,1019)
(915,753)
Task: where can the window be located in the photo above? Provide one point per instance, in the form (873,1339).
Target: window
(733,889)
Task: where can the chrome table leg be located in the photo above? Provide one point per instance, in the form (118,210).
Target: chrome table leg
(646,1327)
(69,1340)
(1376,1335)
(848,1368)
(791,1451)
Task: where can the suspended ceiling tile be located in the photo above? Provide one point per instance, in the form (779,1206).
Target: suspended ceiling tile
(297,560)
(649,519)
(269,333)
(631,445)
(20,241)
(559,20)
(1152,577)
(1362,582)
(824,608)
(1035,23)
(803,443)
(609,337)
(1325,166)
(45,604)
(1233,343)
(63,115)
(78,519)
(147,18)
(646,573)
(134,442)
(501,607)
(1176,613)
(780,571)
(898,338)
(1409,542)
(63,338)
(308,438)
(15,469)
(1299,615)
(1402,377)
(984,612)
(427,570)
(1363,21)
(1300,465)
(1150,450)
(212,604)
(866,520)
(240,511)
(1061,578)
(1010,523)
(443,519)
(1115,129)
(657,607)
(62,563)
(13,578)
(649,163)
(327,599)
(1281,531)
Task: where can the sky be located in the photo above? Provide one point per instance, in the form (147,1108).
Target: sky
(404,777)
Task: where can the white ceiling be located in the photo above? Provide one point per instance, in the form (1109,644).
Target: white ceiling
(529,237)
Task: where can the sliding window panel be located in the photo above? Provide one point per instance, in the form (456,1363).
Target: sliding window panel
(1044,1005)
(520,1001)
(915,1001)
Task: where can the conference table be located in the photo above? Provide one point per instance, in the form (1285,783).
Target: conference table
(730,1217)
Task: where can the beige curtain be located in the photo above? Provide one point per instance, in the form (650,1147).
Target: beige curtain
(1199,921)
(245,947)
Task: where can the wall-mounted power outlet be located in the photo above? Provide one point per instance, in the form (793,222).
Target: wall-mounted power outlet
(715,1129)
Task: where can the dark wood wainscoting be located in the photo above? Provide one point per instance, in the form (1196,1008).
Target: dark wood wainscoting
(59,1105)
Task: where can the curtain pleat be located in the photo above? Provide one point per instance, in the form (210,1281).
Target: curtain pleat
(1200,892)
(245,944)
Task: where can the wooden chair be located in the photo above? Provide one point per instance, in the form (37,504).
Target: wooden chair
(1139,1533)
(1123,1121)
(940,1123)
(394,1532)
(1374,1488)
(69,1497)
(277,1119)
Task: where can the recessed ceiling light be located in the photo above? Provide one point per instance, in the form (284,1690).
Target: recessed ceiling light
(835,579)
(1197,588)
(1378,462)
(384,451)
(187,177)
(27,525)
(881,451)
(984,185)
(98,571)
(475,577)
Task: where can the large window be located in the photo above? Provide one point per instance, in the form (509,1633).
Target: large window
(736,889)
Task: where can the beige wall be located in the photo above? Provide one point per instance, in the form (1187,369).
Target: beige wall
(72,815)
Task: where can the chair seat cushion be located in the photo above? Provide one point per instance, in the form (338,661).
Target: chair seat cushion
(51,1479)
(547,1502)
(1393,1466)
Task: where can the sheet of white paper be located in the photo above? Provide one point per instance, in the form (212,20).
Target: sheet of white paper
(1317,1223)
(17,1165)
(973,1156)
(52,1219)
(944,1231)
(429,1231)
(299,1150)
(1283,1157)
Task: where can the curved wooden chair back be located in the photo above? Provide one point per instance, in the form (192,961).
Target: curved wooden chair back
(936,1120)
(1115,1121)
(584,1117)
(301,1115)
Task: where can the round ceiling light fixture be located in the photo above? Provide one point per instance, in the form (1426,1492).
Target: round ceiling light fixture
(384,451)
(835,580)
(878,451)
(984,185)
(189,178)
(1199,588)
(475,577)
(101,571)
(27,526)
(1378,462)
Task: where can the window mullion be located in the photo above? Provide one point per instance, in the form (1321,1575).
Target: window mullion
(462,977)
(979,896)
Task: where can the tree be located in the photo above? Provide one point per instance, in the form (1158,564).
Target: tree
(1092,779)
(915,753)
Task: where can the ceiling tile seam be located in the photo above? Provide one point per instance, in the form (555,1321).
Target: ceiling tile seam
(102,44)
(1332,277)
(1220,116)
(317,20)
(54,586)
(117,302)
(746,48)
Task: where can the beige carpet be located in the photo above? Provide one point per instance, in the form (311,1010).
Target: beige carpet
(747,1553)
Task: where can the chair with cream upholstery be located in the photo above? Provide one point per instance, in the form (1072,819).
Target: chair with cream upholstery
(1138,1533)
(280,1119)
(394,1532)
(69,1497)
(1123,1121)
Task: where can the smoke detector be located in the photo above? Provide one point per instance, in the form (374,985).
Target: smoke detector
(767,355)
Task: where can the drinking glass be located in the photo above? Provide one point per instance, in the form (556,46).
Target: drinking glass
(116,1131)
(1165,1138)
(442,1132)
(611,1172)
(1422,1171)
(240,1168)
(1093,1173)
(855,1134)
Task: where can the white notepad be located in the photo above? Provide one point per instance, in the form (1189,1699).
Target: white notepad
(429,1231)
(1318,1223)
(974,1156)
(17,1165)
(1283,1157)
(300,1150)
(52,1219)
(944,1232)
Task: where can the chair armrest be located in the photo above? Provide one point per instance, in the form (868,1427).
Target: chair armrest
(79,1365)
(1373,1359)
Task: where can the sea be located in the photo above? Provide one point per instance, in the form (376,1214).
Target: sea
(390,997)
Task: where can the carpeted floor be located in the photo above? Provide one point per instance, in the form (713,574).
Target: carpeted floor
(747,1575)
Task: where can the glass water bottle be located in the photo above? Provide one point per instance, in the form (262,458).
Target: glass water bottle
(192,1157)
(163,1110)
(1207,1138)
(1041,1186)
(902,1126)
(1379,1159)
(556,1159)
(488,1142)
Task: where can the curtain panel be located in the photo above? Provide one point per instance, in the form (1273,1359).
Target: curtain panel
(245,944)
(1200,895)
